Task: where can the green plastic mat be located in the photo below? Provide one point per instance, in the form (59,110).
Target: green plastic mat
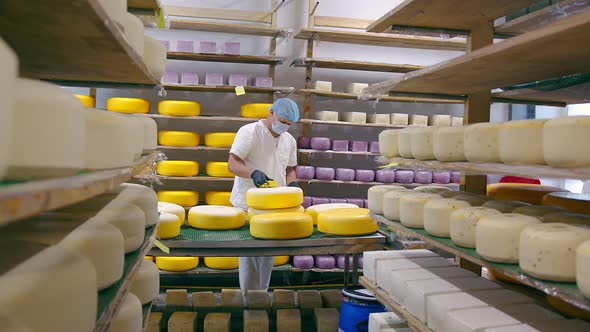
(552,84)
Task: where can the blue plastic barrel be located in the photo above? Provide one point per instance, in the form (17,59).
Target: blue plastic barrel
(357,304)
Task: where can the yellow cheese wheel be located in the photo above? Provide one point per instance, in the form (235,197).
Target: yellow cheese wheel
(314,210)
(255,110)
(523,192)
(218,198)
(179,108)
(222,263)
(169,226)
(274,198)
(219,140)
(181,197)
(216,217)
(281,260)
(149,258)
(87,101)
(177,168)
(128,105)
(175,209)
(177,264)
(178,138)
(218,169)
(346,222)
(281,226)
(253,212)
(578,203)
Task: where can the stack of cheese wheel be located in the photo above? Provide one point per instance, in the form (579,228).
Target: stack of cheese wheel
(177,264)
(177,168)
(411,208)
(9,69)
(315,210)
(154,56)
(218,169)
(86,101)
(219,140)
(128,105)
(497,237)
(559,135)
(104,130)
(346,222)
(175,209)
(222,263)
(218,198)
(169,226)
(145,284)
(254,212)
(143,197)
(179,108)
(128,218)
(178,138)
(529,193)
(184,198)
(216,217)
(391,203)
(375,197)
(404,145)
(255,110)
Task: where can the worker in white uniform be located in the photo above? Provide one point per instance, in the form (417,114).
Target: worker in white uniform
(263,151)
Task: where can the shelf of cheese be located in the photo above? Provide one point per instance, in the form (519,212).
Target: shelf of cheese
(311,151)
(21,200)
(251,59)
(202,118)
(567,292)
(341,123)
(196,178)
(303,151)
(453,186)
(354,65)
(205,270)
(226,88)
(194,148)
(242,29)
(416,98)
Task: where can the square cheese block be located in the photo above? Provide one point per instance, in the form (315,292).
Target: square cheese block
(176,297)
(256,321)
(169,77)
(399,119)
(331,298)
(208,47)
(204,302)
(263,82)
(283,299)
(231,48)
(308,301)
(217,322)
(322,85)
(288,320)
(356,88)
(181,321)
(476,319)
(258,299)
(385,268)
(189,78)
(560,325)
(383,320)
(418,120)
(213,79)
(326,115)
(154,322)
(439,120)
(354,117)
(232,301)
(456,121)
(187,46)
(238,80)
(378,118)
(530,313)
(326,319)
(372,258)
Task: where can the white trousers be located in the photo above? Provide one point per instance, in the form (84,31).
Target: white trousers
(255,273)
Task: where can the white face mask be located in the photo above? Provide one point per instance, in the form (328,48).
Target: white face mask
(279,127)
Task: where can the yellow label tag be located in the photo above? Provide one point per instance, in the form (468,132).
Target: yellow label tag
(240,91)
(389,165)
(161,246)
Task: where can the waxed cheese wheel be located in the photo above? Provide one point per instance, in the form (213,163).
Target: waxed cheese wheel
(411,208)
(214,197)
(437,213)
(344,174)
(303,262)
(143,197)
(325,173)
(218,169)
(222,263)
(219,140)
(424,177)
(391,201)
(455,177)
(307,202)
(442,177)
(178,138)
(404,176)
(340,145)
(281,226)
(463,222)
(558,135)
(504,206)
(346,222)
(523,192)
(254,110)
(216,217)
(9,69)
(578,203)
(325,262)
(364,175)
(497,237)
(179,108)
(304,142)
(154,56)
(521,142)
(375,196)
(127,105)
(583,267)
(254,212)
(169,226)
(480,142)
(359,146)
(388,145)
(356,201)
(145,284)
(320,143)
(129,317)
(385,176)
(341,262)
(421,143)
(177,264)
(404,142)
(274,198)
(183,198)
(177,168)
(281,260)
(315,210)
(319,200)
(99,152)
(338,200)
(448,144)
(128,218)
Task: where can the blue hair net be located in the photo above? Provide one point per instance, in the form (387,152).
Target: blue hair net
(286,109)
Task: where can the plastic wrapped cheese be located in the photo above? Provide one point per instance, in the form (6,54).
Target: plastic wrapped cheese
(215,79)
(219,140)
(374,147)
(523,192)
(411,208)
(129,317)
(578,203)
(391,200)
(175,209)
(404,142)
(9,69)
(254,212)
(463,222)
(421,143)
(305,172)
(437,213)
(497,236)
(455,177)
(341,262)
(448,144)
(190,78)
(314,210)
(372,258)
(178,138)
(144,197)
(324,173)
(145,284)
(306,202)
(133,32)
(346,222)
(583,267)
(344,174)
(154,56)
(319,200)
(375,196)
(128,218)
(281,226)
(558,135)
(169,226)
(521,142)
(480,143)
(356,201)
(216,217)
(337,200)
(320,143)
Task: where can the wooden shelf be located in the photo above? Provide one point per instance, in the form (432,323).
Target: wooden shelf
(226,88)
(84,45)
(311,151)
(242,29)
(201,269)
(26,199)
(252,59)
(202,118)
(146,311)
(192,148)
(449,14)
(354,65)
(304,151)
(379,39)
(199,178)
(407,185)
(416,98)
(144,4)
(575,94)
(340,123)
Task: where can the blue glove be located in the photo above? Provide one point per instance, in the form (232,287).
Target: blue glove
(259,178)
(293,184)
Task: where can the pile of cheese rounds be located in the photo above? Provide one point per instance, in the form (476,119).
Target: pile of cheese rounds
(541,231)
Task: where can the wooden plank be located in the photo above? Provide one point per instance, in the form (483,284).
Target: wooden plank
(200,178)
(220,14)
(340,123)
(358,183)
(252,59)
(576,94)
(242,29)
(450,14)
(226,88)
(201,118)
(355,65)
(408,99)
(192,148)
(379,39)
(341,22)
(350,153)
(144,4)
(48,47)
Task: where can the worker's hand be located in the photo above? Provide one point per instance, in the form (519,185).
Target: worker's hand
(293,184)
(259,178)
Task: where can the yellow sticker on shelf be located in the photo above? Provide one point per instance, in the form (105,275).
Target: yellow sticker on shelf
(240,91)
(389,165)
(161,246)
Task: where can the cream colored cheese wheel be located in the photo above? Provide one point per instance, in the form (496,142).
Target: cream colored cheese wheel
(437,213)
(216,217)
(404,142)
(497,237)
(128,218)
(583,268)
(548,251)
(9,69)
(521,142)
(566,141)
(421,143)
(375,197)
(145,284)
(103,131)
(137,135)
(175,209)
(346,222)
(55,148)
(391,203)
(254,212)
(133,32)
(274,198)
(43,291)
(448,144)
(480,142)
(143,197)
(463,222)
(314,210)
(388,145)
(104,246)
(129,317)
(154,56)
(411,208)
(432,189)
(222,263)
(150,133)
(169,226)
(281,226)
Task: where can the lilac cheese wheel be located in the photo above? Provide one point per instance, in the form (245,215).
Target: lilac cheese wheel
(325,262)
(340,261)
(319,200)
(325,173)
(359,146)
(404,176)
(456,177)
(356,201)
(365,175)
(374,147)
(365,204)
(385,176)
(423,177)
(320,143)
(340,145)
(441,177)
(306,202)
(345,174)
(305,172)
(303,262)
(304,142)
(337,200)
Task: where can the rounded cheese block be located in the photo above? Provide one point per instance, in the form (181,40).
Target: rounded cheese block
(432,189)
(522,192)
(578,203)
(175,209)
(404,142)
(183,198)
(388,143)
(177,168)
(154,56)
(462,224)
(149,258)
(504,206)
(9,69)
(559,135)
(129,317)
(219,140)
(375,197)
(104,246)
(178,138)
(497,236)
(274,198)
(568,218)
(142,196)
(179,108)
(136,129)
(128,218)
(281,260)
(222,263)
(346,222)
(437,213)
(281,226)
(133,32)
(521,142)
(411,208)
(583,267)
(150,133)
(314,210)
(421,143)
(43,291)
(448,144)
(218,198)
(391,203)
(128,105)
(538,210)
(216,217)
(86,101)
(480,142)
(218,169)
(254,212)
(145,284)
(169,226)
(255,110)
(99,145)
(548,251)
(177,264)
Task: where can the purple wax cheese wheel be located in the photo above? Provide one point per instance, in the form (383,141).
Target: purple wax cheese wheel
(374,147)
(306,202)
(356,201)
(325,262)
(441,177)
(337,200)
(345,174)
(364,175)
(304,142)
(365,204)
(303,262)
(324,173)
(305,172)
(340,145)
(359,146)
(456,177)
(423,177)
(319,200)
(385,175)
(340,261)
(404,176)
(320,143)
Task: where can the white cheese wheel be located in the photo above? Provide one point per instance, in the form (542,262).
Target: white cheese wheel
(133,32)
(103,131)
(51,135)
(150,133)
(437,213)
(583,268)
(254,212)
(548,251)
(216,217)
(480,142)
(104,246)
(386,267)
(497,237)
(154,56)
(521,142)
(115,9)
(136,128)
(129,318)
(432,189)
(375,196)
(43,292)
(128,218)
(274,198)
(169,226)
(391,203)
(404,142)
(143,197)
(371,259)
(558,135)
(388,146)
(462,224)
(411,208)
(145,284)
(175,209)
(448,144)
(421,143)
(9,69)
